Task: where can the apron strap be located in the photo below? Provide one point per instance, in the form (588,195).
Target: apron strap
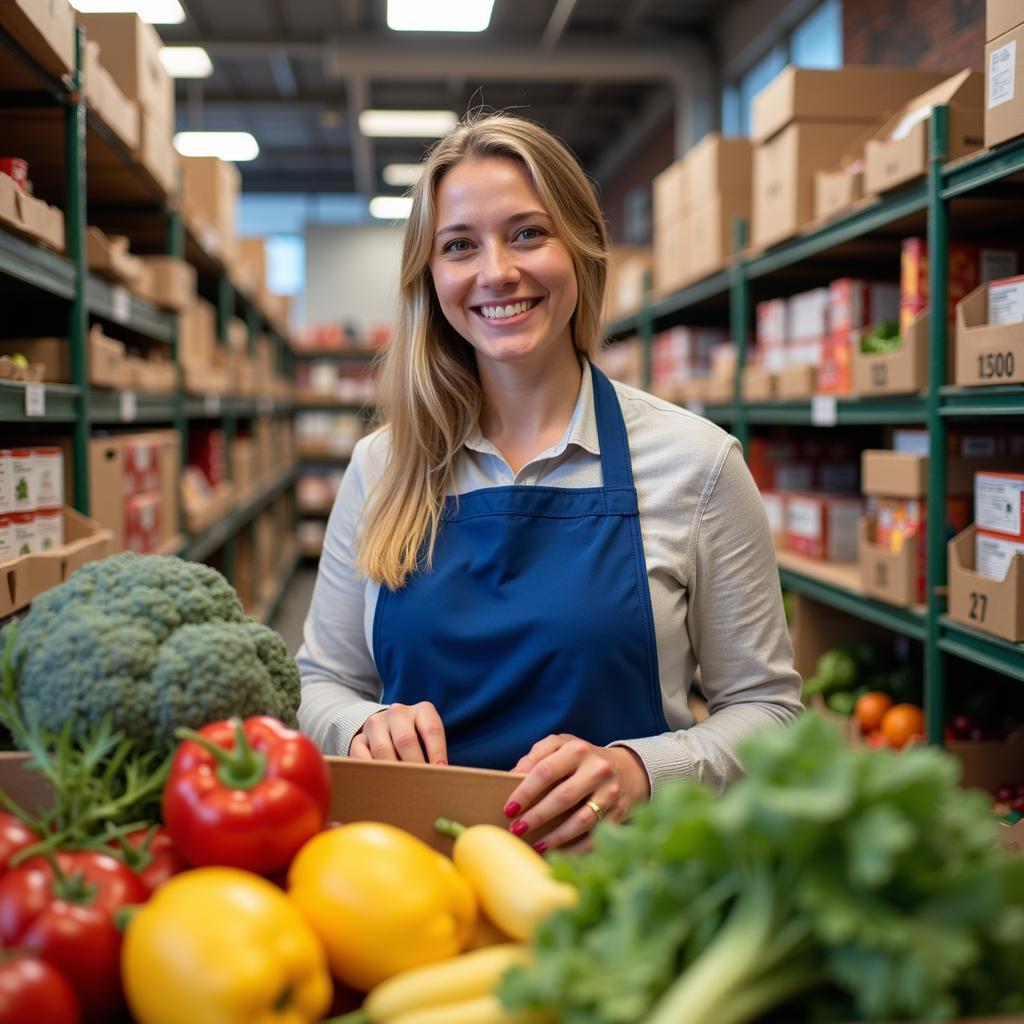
(616,466)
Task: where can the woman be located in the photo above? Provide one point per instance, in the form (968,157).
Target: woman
(525,567)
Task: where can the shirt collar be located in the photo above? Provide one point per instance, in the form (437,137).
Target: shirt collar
(581,431)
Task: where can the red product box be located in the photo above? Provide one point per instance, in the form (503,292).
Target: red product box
(855,303)
(141,469)
(142,523)
(777,465)
(206,449)
(16,168)
(823,526)
(835,371)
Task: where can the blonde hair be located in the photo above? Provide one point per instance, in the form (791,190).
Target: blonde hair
(429,389)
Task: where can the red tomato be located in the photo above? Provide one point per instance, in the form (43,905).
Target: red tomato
(34,992)
(68,920)
(153,856)
(15,835)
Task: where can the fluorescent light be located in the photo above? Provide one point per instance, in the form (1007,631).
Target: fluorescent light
(390,207)
(401,175)
(439,15)
(156,12)
(186,61)
(407,124)
(236,146)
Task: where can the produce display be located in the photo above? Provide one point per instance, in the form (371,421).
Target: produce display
(882,338)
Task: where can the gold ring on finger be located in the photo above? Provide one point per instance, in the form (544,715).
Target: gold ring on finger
(597,809)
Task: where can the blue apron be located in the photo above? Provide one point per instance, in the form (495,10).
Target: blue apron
(535,617)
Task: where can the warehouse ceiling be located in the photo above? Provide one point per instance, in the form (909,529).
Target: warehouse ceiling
(296,73)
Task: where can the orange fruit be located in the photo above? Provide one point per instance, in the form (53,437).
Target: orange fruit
(902,723)
(869,710)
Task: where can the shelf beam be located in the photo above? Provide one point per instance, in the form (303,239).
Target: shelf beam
(981,649)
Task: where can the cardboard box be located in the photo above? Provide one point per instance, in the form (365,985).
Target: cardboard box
(106,359)
(795,382)
(712,227)
(106,486)
(899,152)
(894,474)
(630,282)
(156,153)
(30,216)
(836,191)
(986,354)
(674,258)
(784,170)
(851,94)
(987,764)
(885,574)
(209,196)
(108,256)
(992,606)
(170,283)
(197,335)
(130,51)
(1001,16)
(759,384)
(670,193)
(894,373)
(718,165)
(106,99)
(250,265)
(823,526)
(45,29)
(168,458)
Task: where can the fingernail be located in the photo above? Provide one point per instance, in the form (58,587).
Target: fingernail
(443,764)
(541,846)
(512,809)
(520,828)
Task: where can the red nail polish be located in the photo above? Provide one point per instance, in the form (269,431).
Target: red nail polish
(541,846)
(520,828)
(443,764)
(512,809)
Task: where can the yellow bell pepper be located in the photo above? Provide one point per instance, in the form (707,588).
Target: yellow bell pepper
(223,946)
(381,901)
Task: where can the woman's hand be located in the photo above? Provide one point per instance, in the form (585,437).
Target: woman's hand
(564,772)
(402,733)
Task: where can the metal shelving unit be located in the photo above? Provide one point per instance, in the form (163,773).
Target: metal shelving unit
(27,269)
(922,206)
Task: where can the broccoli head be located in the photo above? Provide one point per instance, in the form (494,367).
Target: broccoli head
(152,642)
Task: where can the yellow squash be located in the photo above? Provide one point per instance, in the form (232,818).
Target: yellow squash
(381,901)
(511,880)
(222,946)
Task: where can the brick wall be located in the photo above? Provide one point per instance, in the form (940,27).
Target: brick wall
(940,34)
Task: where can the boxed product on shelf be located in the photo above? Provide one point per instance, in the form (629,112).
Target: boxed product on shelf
(623,361)
(168,281)
(1004,104)
(901,371)
(203,505)
(779,465)
(108,256)
(796,382)
(53,356)
(207,450)
(837,189)
(250,265)
(823,526)
(197,334)
(899,152)
(1001,16)
(759,384)
(209,200)
(856,303)
(626,286)
(30,216)
(44,30)
(670,229)
(107,100)
(999,504)
(244,464)
(681,353)
(889,568)
(986,353)
(47,477)
(24,577)
(156,152)
(992,606)
(142,530)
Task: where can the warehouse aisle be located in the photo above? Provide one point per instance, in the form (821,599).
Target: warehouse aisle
(291,612)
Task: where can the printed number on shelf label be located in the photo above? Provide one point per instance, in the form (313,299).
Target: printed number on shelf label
(824,412)
(35,400)
(121,301)
(129,406)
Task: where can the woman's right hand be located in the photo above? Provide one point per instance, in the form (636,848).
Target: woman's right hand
(402,733)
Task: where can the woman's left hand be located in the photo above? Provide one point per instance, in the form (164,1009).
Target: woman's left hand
(564,772)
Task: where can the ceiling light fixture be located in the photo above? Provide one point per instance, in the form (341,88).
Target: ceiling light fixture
(402,175)
(390,207)
(156,12)
(186,61)
(439,15)
(407,124)
(234,146)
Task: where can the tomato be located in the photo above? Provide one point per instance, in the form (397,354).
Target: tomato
(66,916)
(152,855)
(877,740)
(15,835)
(870,708)
(34,992)
(903,723)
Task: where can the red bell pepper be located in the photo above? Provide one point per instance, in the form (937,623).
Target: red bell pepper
(245,795)
(151,854)
(63,909)
(15,836)
(33,991)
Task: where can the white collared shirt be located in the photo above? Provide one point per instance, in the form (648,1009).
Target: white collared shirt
(710,566)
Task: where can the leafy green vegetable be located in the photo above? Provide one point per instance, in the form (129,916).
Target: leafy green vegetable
(836,670)
(830,884)
(884,337)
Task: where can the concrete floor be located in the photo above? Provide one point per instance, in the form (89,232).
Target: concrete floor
(291,612)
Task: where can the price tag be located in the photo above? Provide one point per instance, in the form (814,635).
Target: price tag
(35,400)
(211,405)
(824,411)
(120,299)
(265,407)
(129,406)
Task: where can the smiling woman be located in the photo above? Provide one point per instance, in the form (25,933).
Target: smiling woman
(527,564)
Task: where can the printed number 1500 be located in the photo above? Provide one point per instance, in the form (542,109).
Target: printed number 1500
(994,365)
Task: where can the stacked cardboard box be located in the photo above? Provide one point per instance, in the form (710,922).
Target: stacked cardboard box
(629,271)
(30,216)
(1004,54)
(990,335)
(130,51)
(804,122)
(107,100)
(681,355)
(209,200)
(204,367)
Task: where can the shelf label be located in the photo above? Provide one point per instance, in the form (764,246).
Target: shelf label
(1002,66)
(35,400)
(211,405)
(129,406)
(824,411)
(120,299)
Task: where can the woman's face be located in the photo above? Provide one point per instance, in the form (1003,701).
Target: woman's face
(504,280)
